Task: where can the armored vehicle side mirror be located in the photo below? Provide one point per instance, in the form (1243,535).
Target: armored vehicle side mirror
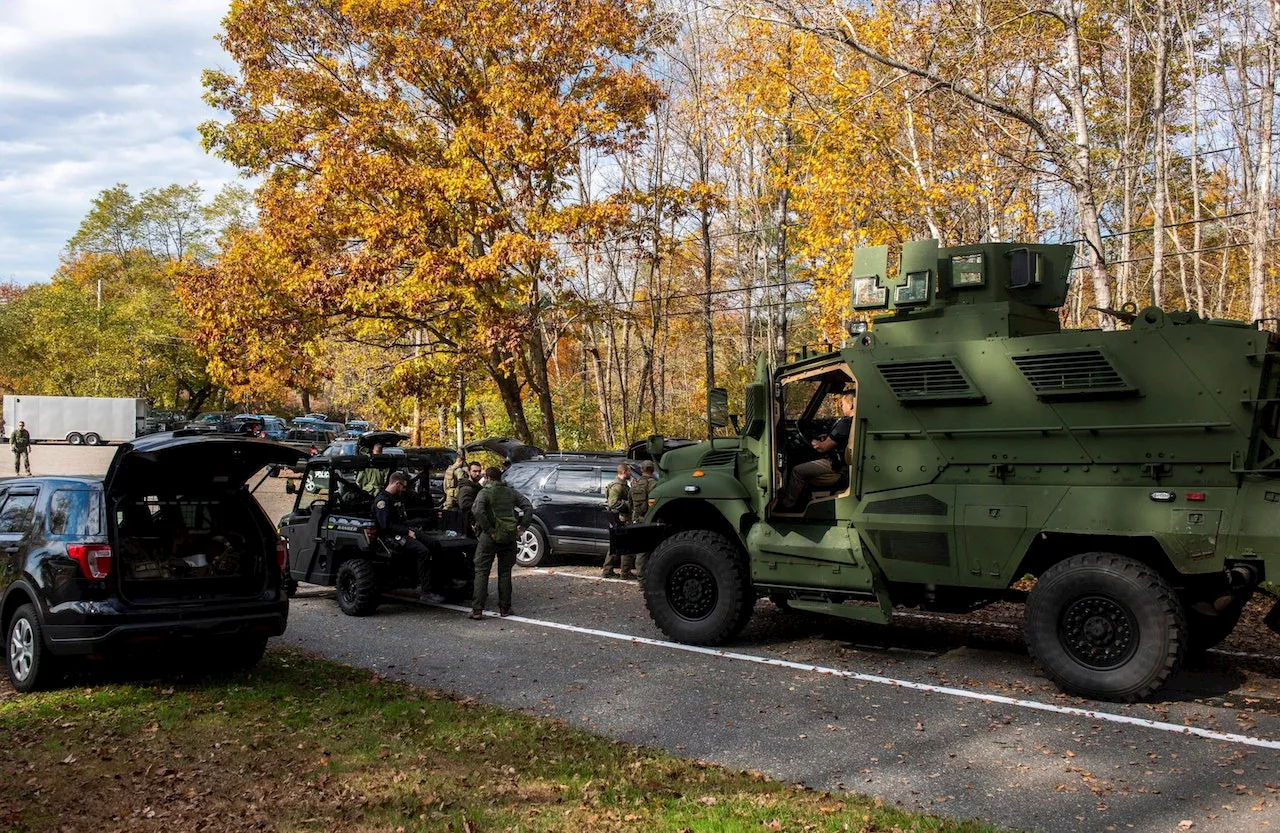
(757,405)
(289,488)
(718,407)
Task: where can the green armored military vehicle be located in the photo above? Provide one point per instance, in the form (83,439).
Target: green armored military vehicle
(1134,473)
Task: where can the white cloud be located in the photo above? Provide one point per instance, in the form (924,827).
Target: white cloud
(92,94)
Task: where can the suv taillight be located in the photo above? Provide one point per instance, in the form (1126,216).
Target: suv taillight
(94,560)
(282,552)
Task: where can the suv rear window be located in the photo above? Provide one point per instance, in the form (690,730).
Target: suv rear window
(75,512)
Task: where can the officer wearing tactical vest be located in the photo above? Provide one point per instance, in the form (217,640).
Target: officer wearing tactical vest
(640,490)
(20,442)
(617,502)
(452,479)
(501,514)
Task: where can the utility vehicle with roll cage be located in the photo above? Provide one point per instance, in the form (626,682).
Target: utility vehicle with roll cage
(1134,473)
(333,540)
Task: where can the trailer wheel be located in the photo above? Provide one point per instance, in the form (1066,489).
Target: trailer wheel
(75,438)
(1106,627)
(697,588)
(92,439)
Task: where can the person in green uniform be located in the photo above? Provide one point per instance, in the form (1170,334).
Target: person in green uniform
(20,442)
(373,479)
(451,480)
(501,514)
(617,502)
(640,490)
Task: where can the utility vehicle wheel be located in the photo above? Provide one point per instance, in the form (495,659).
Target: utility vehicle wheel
(697,588)
(1105,626)
(75,438)
(1204,630)
(92,439)
(532,549)
(31,667)
(357,587)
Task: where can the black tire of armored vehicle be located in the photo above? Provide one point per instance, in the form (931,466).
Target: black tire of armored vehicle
(357,584)
(697,588)
(1105,626)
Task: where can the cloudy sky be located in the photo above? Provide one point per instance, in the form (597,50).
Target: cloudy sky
(94,93)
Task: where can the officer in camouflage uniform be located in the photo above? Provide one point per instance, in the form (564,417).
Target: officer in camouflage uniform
(640,490)
(20,442)
(617,502)
(452,479)
(501,514)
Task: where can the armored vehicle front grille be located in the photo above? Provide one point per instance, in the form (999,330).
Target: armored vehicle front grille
(909,505)
(916,547)
(718,457)
(1078,373)
(933,380)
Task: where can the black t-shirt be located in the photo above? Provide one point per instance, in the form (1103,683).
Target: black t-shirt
(839,434)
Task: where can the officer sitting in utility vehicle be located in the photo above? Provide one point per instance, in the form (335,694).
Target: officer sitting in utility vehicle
(389,516)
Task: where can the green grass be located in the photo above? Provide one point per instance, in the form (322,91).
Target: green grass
(304,744)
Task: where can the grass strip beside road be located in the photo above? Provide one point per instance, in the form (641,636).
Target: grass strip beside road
(306,744)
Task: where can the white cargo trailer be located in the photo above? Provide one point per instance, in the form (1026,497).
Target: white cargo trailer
(87,420)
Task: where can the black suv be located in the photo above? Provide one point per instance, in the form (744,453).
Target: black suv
(168,546)
(567,492)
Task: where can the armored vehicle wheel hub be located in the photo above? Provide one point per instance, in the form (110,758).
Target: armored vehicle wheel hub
(692,591)
(1098,632)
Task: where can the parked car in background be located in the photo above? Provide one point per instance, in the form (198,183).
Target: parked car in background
(213,421)
(158,421)
(358,426)
(303,422)
(317,417)
(166,548)
(363,444)
(567,492)
(308,441)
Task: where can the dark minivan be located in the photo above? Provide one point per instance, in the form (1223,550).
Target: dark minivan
(168,547)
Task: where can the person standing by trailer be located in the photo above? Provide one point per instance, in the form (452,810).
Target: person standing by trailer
(20,442)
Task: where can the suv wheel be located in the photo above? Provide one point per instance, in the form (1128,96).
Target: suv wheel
(697,589)
(357,587)
(532,549)
(31,667)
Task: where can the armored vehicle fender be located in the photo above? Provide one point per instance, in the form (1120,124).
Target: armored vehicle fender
(700,499)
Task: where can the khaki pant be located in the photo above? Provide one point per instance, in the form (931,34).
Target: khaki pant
(805,476)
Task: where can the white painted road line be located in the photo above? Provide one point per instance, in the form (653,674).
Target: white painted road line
(955,620)
(928,688)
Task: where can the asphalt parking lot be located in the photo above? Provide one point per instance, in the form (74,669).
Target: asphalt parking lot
(935,712)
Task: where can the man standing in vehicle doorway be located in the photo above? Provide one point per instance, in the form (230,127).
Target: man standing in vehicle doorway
(501,514)
(617,502)
(20,442)
(640,490)
(389,517)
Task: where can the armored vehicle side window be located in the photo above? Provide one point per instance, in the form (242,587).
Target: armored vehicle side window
(75,512)
(16,514)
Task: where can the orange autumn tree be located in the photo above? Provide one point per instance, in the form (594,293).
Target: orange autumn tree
(417,162)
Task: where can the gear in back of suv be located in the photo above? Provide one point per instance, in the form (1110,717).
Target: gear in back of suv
(169,547)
